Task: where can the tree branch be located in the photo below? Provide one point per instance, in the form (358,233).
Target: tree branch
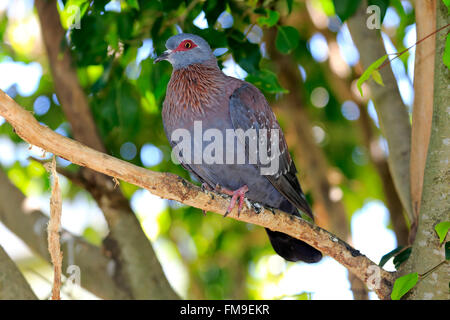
(170,186)
(13,285)
(423,100)
(393,115)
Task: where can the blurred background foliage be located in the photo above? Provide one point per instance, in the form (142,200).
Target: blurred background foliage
(113,48)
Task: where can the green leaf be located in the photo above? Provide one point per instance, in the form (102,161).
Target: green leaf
(92,236)
(270,20)
(289,5)
(287,39)
(267,81)
(446,56)
(401,257)
(403,284)
(442,230)
(133,3)
(369,72)
(345,8)
(447,250)
(377,77)
(389,255)
(447,4)
(327,7)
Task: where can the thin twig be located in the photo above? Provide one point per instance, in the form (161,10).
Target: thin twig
(407,49)
(54,246)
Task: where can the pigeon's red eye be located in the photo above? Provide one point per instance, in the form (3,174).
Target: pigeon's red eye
(186,45)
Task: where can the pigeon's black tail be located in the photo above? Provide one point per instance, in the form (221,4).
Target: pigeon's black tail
(293,249)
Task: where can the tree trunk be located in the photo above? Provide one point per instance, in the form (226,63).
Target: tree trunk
(393,115)
(13,285)
(423,99)
(427,252)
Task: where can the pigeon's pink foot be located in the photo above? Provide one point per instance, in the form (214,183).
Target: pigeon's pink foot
(239,193)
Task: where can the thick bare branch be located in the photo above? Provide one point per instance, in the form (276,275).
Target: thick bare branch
(393,115)
(170,186)
(13,285)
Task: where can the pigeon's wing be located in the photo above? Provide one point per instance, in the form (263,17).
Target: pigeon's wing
(249,110)
(194,170)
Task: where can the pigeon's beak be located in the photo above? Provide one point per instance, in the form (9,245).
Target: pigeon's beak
(163,56)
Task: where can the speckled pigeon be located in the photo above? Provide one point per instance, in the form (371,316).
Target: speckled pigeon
(199,92)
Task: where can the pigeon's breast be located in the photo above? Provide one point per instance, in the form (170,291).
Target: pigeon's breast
(197,122)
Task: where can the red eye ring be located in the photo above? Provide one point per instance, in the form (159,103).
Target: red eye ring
(186,45)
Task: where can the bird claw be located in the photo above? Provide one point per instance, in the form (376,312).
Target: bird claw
(206,187)
(239,193)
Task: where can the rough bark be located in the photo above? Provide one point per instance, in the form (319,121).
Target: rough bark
(141,271)
(13,285)
(97,270)
(435,207)
(392,113)
(170,186)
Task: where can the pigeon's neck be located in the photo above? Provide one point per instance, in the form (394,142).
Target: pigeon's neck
(185,64)
(194,89)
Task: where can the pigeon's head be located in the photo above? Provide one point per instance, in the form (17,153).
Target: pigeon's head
(185,49)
